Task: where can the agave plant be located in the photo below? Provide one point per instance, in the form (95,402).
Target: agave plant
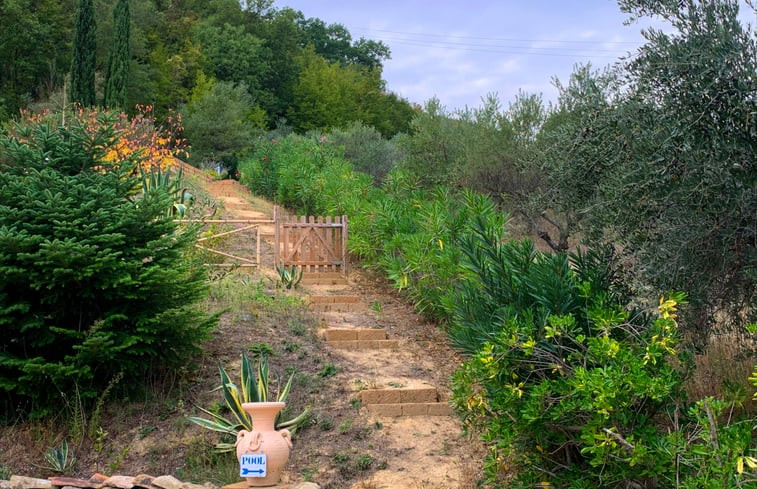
(291,276)
(157,178)
(59,460)
(254,386)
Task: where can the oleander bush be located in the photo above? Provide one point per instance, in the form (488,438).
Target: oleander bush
(569,385)
(96,282)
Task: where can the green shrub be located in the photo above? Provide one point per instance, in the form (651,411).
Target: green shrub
(567,385)
(367,150)
(219,124)
(303,174)
(94,278)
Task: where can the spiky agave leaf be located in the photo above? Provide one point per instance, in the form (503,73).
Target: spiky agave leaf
(232,398)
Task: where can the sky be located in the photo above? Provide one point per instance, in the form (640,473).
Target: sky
(461,51)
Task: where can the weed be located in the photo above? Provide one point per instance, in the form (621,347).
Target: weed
(365,462)
(116,464)
(328,370)
(363,433)
(291,346)
(5,473)
(345,426)
(361,385)
(94,420)
(396,385)
(260,350)
(296,327)
(341,457)
(377,307)
(205,464)
(98,441)
(355,403)
(144,432)
(325,422)
(378,425)
(308,472)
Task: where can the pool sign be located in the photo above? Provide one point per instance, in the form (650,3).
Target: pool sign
(252,465)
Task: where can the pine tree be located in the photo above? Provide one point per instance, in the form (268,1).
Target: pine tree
(118,61)
(83,62)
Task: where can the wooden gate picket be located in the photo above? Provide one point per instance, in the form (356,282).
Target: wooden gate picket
(316,245)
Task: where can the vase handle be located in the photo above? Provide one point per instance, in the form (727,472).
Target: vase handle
(287,436)
(253,444)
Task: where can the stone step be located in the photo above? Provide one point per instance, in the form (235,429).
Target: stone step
(323,274)
(365,344)
(399,395)
(338,307)
(354,334)
(359,339)
(314,279)
(410,409)
(333,299)
(407,401)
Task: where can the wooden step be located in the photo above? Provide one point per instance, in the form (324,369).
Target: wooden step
(407,401)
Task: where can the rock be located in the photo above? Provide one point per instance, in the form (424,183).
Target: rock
(5,484)
(307,485)
(119,482)
(237,485)
(143,480)
(167,482)
(97,479)
(21,482)
(189,485)
(71,482)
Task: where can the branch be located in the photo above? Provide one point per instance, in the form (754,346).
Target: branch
(620,439)
(713,427)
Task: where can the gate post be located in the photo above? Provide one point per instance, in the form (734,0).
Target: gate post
(276,237)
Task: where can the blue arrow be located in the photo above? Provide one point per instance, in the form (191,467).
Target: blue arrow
(249,471)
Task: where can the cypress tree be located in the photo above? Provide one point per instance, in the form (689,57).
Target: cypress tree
(118,61)
(83,62)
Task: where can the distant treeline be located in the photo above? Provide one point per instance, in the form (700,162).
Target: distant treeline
(292,68)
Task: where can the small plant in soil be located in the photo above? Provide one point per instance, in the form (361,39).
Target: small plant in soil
(328,370)
(260,350)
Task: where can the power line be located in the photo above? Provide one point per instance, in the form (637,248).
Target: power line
(570,49)
(503,49)
(494,39)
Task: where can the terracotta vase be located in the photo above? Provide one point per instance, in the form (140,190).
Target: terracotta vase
(265,439)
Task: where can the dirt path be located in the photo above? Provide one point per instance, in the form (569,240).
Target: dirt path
(389,364)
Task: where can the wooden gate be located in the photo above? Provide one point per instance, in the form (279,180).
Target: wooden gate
(245,253)
(316,244)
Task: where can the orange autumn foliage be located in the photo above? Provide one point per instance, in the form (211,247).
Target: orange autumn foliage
(142,138)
